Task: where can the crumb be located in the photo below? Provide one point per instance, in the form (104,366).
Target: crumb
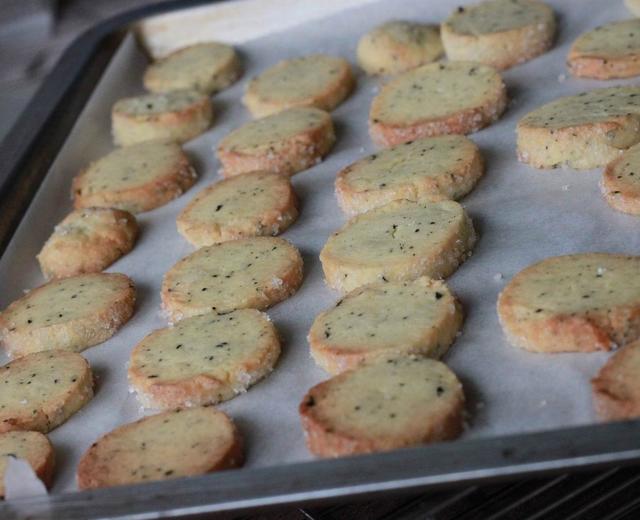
(498,276)
(565,187)
(562,78)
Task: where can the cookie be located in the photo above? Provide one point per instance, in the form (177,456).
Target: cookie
(398,46)
(68,314)
(390,404)
(398,242)
(500,33)
(33,447)
(41,391)
(169,445)
(253,204)
(432,169)
(574,303)
(87,241)
(436,99)
(620,183)
(386,318)
(253,273)
(203,360)
(285,143)
(204,67)
(607,52)
(318,80)
(136,178)
(177,116)
(584,131)
(633,6)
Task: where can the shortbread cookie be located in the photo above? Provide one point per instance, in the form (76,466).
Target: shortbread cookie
(169,445)
(253,204)
(203,360)
(620,183)
(574,303)
(137,178)
(393,403)
(386,318)
(432,169)
(607,52)
(68,314)
(175,116)
(633,6)
(205,67)
(436,99)
(286,143)
(310,81)
(398,242)
(87,241)
(583,131)
(41,391)
(500,33)
(398,46)
(248,273)
(32,447)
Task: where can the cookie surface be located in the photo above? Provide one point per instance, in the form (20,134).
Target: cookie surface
(318,80)
(252,204)
(203,360)
(41,391)
(432,169)
(390,404)
(33,447)
(584,131)
(500,33)
(136,178)
(68,314)
(620,183)
(174,116)
(165,446)
(286,143)
(436,99)
(87,241)
(386,318)
(574,303)
(398,242)
(398,46)
(205,67)
(248,273)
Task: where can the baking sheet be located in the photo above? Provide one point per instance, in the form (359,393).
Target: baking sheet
(522,215)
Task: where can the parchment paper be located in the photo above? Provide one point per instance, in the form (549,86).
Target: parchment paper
(522,215)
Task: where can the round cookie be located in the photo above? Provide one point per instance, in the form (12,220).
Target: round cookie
(174,116)
(252,204)
(432,169)
(87,241)
(33,447)
(574,303)
(607,52)
(205,67)
(633,6)
(398,46)
(285,143)
(203,360)
(620,183)
(398,242)
(390,404)
(436,99)
(386,318)
(136,178)
(253,272)
(68,314)
(41,391)
(584,131)
(317,80)
(168,445)
(500,33)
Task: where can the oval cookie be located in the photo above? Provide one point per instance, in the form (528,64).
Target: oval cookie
(390,404)
(33,447)
(397,242)
(574,303)
(437,99)
(286,143)
(620,183)
(432,169)
(165,446)
(68,314)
